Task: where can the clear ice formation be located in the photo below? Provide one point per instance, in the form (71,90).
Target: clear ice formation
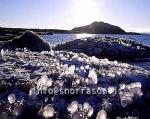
(123,84)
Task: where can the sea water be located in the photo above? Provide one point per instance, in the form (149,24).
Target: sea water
(57,38)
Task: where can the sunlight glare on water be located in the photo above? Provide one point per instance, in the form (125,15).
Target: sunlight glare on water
(57,38)
(83,35)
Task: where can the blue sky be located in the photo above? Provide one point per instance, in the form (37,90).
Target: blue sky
(131,15)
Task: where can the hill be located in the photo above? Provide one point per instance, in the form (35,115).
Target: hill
(99,28)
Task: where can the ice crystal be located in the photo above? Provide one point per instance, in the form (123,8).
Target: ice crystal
(101,115)
(71,69)
(90,112)
(111,90)
(11,98)
(94,60)
(72,108)
(48,111)
(93,76)
(2,53)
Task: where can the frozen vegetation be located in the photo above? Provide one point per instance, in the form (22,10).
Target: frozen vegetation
(125,89)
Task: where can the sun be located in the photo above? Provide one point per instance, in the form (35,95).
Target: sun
(85,11)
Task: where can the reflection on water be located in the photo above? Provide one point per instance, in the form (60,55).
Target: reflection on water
(57,38)
(84,35)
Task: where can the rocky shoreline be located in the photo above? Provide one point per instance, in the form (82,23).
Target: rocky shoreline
(125,88)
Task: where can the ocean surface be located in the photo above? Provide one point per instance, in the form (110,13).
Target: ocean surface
(57,38)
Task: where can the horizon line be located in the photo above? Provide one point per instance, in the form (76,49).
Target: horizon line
(137,30)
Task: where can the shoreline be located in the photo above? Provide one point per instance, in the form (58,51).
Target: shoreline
(66,66)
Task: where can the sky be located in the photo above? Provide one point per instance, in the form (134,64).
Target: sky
(131,15)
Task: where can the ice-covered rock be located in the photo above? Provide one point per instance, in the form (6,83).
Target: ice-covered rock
(110,48)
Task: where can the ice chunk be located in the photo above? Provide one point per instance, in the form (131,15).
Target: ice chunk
(82,68)
(49,82)
(86,105)
(105,61)
(94,60)
(42,82)
(87,67)
(111,90)
(43,79)
(72,108)
(124,65)
(126,100)
(11,98)
(52,52)
(118,73)
(77,81)
(44,52)
(75,56)
(2,53)
(101,115)
(138,47)
(93,76)
(90,112)
(48,111)
(110,74)
(115,63)
(61,55)
(80,59)
(25,49)
(122,86)
(71,69)
(136,85)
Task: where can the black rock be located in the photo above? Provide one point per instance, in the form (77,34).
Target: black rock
(29,40)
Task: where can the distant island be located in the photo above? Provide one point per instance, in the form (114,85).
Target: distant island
(100,28)
(93,28)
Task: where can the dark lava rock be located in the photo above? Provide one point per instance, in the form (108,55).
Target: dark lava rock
(99,28)
(114,49)
(29,40)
